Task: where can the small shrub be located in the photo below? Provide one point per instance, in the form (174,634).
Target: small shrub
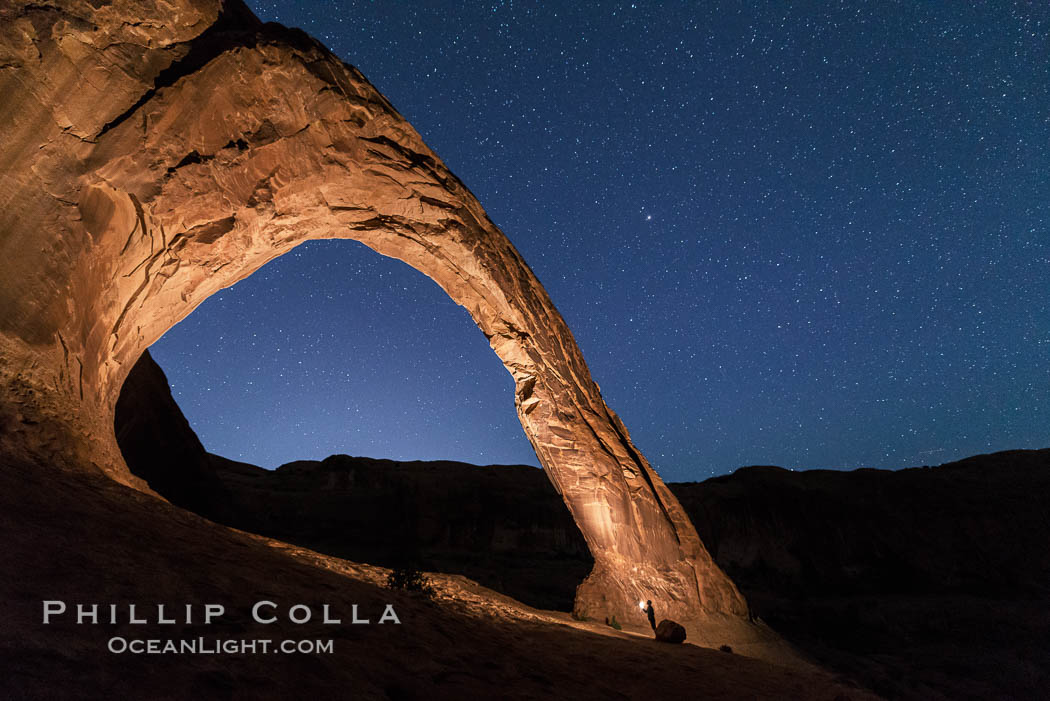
(613,623)
(726,648)
(410,580)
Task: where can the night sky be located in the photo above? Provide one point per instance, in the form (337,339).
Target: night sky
(814,236)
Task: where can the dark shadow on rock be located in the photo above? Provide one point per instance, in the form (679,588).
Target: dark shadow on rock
(160,446)
(926,583)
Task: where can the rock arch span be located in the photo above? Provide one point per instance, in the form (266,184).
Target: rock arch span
(149,163)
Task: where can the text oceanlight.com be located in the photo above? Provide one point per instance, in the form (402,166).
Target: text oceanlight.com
(204,646)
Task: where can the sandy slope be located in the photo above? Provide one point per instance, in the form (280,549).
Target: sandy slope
(86,539)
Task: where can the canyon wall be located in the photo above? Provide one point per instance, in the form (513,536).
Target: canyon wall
(152,157)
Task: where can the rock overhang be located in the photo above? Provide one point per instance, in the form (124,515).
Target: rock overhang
(168,171)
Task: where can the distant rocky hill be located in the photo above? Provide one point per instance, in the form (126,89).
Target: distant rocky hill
(923,583)
(930,582)
(974,527)
(503,525)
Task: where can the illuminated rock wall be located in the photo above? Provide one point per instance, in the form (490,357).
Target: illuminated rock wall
(152,158)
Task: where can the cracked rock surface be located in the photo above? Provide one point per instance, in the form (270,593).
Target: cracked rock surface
(152,157)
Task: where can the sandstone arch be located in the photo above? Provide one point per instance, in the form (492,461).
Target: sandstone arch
(148,164)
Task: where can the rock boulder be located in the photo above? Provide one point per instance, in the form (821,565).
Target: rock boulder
(670,632)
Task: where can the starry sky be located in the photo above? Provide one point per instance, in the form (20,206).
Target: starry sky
(816,236)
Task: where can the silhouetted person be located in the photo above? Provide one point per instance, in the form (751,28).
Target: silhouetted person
(651,614)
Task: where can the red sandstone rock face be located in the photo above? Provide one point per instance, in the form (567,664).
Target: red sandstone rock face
(151,158)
